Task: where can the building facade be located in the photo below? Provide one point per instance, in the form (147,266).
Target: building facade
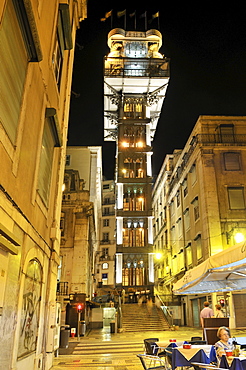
(36,52)
(199,208)
(80,221)
(136,75)
(105,271)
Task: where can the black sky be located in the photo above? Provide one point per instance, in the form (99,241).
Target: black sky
(207,49)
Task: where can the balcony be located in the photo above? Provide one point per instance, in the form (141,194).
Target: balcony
(106,257)
(62,288)
(136,67)
(106,241)
(232,139)
(108,213)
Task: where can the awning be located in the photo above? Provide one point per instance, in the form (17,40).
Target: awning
(223,272)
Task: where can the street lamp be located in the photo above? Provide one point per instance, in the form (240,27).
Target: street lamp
(239,237)
(158,255)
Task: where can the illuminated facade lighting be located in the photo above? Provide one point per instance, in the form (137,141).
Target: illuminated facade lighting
(135,82)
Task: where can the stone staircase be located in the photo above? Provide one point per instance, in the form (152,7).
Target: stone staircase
(137,318)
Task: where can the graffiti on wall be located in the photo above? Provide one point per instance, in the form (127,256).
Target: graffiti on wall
(30,309)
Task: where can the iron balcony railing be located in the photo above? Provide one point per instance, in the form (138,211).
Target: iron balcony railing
(234,139)
(62,288)
(136,67)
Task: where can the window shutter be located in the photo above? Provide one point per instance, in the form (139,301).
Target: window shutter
(13,68)
(232,162)
(236,198)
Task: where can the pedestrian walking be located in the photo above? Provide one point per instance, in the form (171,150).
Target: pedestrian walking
(206,312)
(218,312)
(123,296)
(157,302)
(140,301)
(149,305)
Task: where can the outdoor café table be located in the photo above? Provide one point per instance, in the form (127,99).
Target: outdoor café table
(166,343)
(198,353)
(236,363)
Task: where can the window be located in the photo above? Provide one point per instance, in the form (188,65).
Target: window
(133,110)
(185,187)
(68,159)
(172,208)
(106,237)
(105,186)
(14,58)
(173,235)
(232,161)
(105,266)
(236,198)
(193,176)
(105,252)
(134,136)
(134,200)
(133,237)
(198,245)
(46,161)
(178,199)
(180,228)
(63,40)
(104,279)
(30,309)
(187,218)
(106,222)
(133,168)
(196,208)
(189,255)
(226,133)
(62,223)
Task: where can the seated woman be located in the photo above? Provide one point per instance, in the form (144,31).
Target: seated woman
(223,344)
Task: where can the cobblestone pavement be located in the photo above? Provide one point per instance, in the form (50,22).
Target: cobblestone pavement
(101,350)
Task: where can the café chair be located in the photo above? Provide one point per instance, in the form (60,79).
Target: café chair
(150,362)
(151,348)
(169,351)
(201,366)
(196,338)
(197,342)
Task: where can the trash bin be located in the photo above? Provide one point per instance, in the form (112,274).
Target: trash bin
(112,327)
(82,327)
(64,336)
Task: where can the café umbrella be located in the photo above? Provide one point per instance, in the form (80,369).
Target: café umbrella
(222,272)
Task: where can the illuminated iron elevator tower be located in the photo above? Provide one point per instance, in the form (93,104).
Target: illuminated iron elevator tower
(136,76)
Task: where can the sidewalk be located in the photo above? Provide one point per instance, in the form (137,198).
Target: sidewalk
(102,350)
(101,335)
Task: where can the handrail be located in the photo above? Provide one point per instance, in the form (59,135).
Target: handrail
(166,312)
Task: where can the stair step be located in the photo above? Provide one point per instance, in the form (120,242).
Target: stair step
(138,316)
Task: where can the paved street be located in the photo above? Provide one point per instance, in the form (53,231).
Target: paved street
(101,350)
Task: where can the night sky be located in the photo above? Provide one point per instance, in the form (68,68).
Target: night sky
(208,72)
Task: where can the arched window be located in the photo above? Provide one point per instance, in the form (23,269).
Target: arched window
(30,308)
